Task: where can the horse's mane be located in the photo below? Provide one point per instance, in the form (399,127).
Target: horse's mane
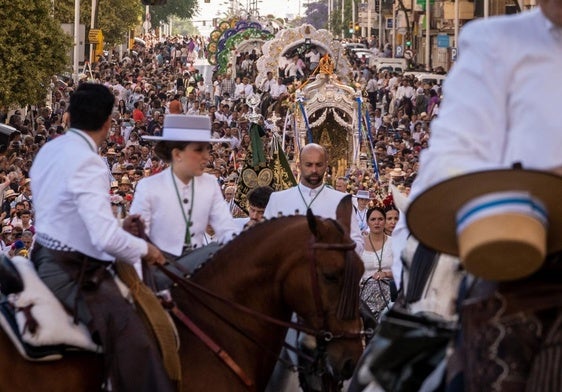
(259,232)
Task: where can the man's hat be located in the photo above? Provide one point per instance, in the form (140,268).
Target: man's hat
(10,193)
(182,128)
(362,194)
(110,151)
(125,181)
(501,223)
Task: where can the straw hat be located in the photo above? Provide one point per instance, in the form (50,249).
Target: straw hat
(397,172)
(125,181)
(182,128)
(10,193)
(110,151)
(501,223)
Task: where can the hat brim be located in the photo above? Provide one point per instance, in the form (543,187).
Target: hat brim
(431,217)
(179,139)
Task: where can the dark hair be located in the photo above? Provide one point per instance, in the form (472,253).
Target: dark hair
(163,149)
(259,197)
(371,210)
(90,106)
(391,207)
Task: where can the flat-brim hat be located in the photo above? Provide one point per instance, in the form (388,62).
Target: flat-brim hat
(435,219)
(184,128)
(362,194)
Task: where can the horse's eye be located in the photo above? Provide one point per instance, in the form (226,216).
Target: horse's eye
(331,278)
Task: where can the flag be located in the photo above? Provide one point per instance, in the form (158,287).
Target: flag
(259,171)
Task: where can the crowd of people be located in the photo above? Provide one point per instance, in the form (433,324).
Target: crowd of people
(159,78)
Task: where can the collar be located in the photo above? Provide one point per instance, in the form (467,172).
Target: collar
(306,190)
(85,136)
(180,183)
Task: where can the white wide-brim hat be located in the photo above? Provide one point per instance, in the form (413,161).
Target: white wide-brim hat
(186,128)
(363,194)
(501,223)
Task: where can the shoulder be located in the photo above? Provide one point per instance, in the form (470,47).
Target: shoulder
(154,179)
(280,195)
(207,180)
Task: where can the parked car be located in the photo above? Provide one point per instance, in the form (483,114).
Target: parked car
(389,64)
(427,77)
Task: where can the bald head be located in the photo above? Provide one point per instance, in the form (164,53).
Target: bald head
(313,163)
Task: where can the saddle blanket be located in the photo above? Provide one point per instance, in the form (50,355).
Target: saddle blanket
(56,328)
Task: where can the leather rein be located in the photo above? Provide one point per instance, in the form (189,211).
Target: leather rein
(323,336)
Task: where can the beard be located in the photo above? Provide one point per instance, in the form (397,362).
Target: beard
(313,180)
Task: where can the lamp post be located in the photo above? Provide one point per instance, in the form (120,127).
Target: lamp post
(76,39)
(342,18)
(427,35)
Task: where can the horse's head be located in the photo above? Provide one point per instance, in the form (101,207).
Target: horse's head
(329,300)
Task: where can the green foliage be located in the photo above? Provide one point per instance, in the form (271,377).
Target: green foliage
(182,9)
(34,48)
(184,27)
(114,17)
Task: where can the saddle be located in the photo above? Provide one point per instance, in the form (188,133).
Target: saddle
(10,279)
(34,319)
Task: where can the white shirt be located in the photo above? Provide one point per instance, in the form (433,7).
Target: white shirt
(500,105)
(324,203)
(157,203)
(371,258)
(277,89)
(70,186)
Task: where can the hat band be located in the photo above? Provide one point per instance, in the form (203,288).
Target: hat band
(185,133)
(501,203)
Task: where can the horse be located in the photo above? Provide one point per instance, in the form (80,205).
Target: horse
(242,298)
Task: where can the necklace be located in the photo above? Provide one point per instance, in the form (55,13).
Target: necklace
(186,217)
(312,201)
(379,258)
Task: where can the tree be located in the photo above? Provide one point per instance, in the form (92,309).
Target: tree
(182,9)
(114,17)
(34,48)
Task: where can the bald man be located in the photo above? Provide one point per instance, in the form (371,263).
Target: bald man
(311,192)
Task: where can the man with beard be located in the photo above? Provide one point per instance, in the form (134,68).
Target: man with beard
(311,192)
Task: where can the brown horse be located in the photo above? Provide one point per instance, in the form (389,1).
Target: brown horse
(295,264)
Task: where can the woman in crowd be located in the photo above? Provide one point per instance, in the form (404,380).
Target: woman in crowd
(392,215)
(179,203)
(376,287)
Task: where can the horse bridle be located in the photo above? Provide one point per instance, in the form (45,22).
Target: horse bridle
(323,336)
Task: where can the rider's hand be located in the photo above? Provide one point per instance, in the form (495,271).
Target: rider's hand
(154,256)
(134,224)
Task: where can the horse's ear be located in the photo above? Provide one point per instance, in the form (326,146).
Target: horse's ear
(312,223)
(343,213)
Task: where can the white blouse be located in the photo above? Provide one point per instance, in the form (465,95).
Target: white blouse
(371,259)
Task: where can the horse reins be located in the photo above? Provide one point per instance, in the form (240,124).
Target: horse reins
(323,336)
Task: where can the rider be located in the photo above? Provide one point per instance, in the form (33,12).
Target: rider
(78,239)
(494,116)
(179,203)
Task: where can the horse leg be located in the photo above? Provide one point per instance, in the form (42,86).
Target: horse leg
(80,371)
